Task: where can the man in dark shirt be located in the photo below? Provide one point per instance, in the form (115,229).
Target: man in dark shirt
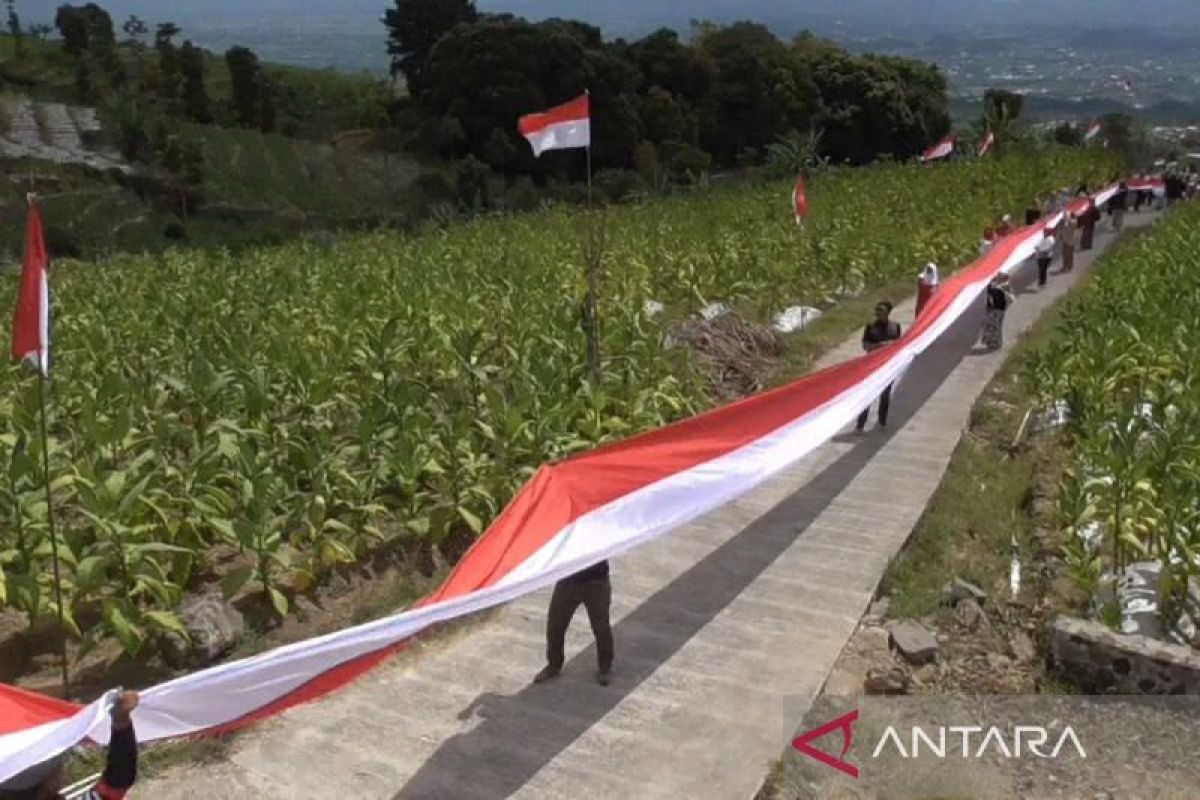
(876,335)
(591,589)
(45,781)
(1033,213)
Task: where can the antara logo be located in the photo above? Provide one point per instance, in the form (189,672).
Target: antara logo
(940,742)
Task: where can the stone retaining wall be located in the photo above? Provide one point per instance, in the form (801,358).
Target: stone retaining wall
(1098,659)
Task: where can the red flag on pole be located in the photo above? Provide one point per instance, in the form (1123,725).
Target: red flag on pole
(989,139)
(561,128)
(800,200)
(31,320)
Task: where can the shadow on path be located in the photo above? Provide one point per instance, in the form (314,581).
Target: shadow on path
(519,734)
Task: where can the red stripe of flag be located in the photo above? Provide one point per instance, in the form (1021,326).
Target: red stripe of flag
(31,336)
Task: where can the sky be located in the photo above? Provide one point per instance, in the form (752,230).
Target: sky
(348,32)
(652,13)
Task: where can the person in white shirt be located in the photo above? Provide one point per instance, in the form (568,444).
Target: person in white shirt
(1045,254)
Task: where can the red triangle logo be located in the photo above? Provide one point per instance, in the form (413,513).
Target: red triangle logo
(845,724)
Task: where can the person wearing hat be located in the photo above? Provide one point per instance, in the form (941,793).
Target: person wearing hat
(45,781)
(927,283)
(999,298)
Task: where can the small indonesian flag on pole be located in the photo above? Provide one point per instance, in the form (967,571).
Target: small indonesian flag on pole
(940,150)
(561,128)
(31,321)
(989,139)
(1092,132)
(800,200)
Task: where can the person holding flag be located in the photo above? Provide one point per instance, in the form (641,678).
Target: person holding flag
(927,284)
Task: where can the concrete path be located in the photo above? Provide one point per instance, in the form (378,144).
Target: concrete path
(725,632)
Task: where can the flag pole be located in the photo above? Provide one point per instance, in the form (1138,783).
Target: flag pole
(588,151)
(43,367)
(66,679)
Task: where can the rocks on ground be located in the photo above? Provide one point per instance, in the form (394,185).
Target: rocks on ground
(914,641)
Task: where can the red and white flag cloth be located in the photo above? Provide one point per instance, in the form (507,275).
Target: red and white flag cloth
(561,128)
(1156,185)
(571,514)
(800,200)
(940,150)
(985,145)
(1092,132)
(31,319)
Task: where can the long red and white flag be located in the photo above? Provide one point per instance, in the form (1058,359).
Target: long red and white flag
(940,150)
(1092,132)
(989,139)
(31,320)
(800,200)
(571,514)
(561,128)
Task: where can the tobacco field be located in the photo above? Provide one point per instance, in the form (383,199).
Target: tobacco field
(263,421)
(1127,364)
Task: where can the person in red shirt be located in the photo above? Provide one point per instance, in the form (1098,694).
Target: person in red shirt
(45,781)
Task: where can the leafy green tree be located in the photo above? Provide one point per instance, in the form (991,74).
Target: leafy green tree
(266,97)
(500,151)
(761,90)
(14,26)
(1067,134)
(194,93)
(488,74)
(877,106)
(414,28)
(1002,106)
(83,28)
(246,85)
(664,120)
(683,71)
(135,29)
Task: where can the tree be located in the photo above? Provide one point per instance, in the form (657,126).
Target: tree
(85,28)
(877,105)
(761,91)
(500,151)
(266,97)
(135,29)
(14,26)
(488,74)
(194,93)
(1067,134)
(1002,106)
(41,31)
(414,28)
(246,85)
(1001,110)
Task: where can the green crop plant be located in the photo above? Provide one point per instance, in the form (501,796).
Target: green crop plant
(303,407)
(1126,363)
